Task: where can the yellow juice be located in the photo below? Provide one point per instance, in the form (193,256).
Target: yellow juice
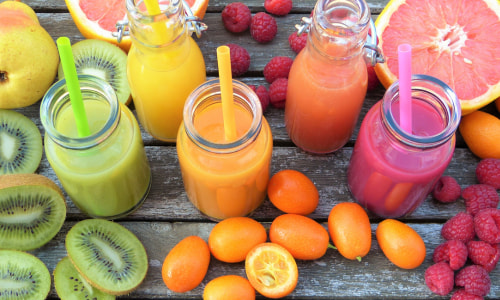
(160,82)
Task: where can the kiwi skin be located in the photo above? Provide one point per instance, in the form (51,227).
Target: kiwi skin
(104,60)
(70,285)
(28,149)
(39,231)
(93,261)
(27,270)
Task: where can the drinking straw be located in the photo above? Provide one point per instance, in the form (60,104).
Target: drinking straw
(226,88)
(161,34)
(75,94)
(405,114)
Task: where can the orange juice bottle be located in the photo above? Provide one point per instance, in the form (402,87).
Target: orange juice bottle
(164,65)
(224,178)
(328,78)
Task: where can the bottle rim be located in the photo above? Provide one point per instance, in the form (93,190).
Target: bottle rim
(56,99)
(435,90)
(209,93)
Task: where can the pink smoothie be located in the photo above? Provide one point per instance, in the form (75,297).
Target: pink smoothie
(391,179)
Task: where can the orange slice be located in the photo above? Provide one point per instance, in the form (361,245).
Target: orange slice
(271,270)
(96,19)
(451,40)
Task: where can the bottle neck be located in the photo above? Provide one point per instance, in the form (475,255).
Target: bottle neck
(339,28)
(153,31)
(432,96)
(56,103)
(209,94)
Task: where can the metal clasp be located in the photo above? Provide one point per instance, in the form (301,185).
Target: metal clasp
(193,22)
(373,54)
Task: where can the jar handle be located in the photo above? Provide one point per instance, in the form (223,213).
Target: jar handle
(193,22)
(373,54)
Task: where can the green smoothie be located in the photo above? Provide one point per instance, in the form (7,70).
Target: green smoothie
(110,179)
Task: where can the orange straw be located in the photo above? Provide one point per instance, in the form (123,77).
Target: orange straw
(226,88)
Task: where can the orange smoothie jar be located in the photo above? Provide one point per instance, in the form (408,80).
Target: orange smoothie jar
(224,178)
(328,79)
(164,65)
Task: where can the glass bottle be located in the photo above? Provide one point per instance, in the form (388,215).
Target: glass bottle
(328,79)
(164,65)
(224,178)
(392,171)
(107,173)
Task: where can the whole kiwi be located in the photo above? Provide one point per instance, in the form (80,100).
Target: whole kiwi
(108,255)
(32,211)
(70,285)
(20,143)
(28,276)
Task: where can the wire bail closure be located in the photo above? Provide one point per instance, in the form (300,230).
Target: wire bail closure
(373,54)
(193,22)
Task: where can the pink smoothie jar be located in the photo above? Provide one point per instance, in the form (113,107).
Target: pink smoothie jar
(392,171)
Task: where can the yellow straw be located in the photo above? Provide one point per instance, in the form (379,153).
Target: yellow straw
(226,88)
(161,35)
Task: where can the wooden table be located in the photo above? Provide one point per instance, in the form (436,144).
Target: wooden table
(167,216)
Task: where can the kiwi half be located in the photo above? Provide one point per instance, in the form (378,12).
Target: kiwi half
(109,256)
(32,211)
(104,60)
(70,285)
(20,143)
(27,276)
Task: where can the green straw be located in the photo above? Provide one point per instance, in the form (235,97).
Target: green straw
(75,94)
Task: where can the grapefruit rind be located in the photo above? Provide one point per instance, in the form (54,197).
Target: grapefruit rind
(387,75)
(90,29)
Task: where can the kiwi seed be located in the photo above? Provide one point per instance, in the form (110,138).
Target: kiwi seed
(70,285)
(20,143)
(109,256)
(32,211)
(104,60)
(29,276)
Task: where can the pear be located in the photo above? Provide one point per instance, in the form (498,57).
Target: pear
(28,56)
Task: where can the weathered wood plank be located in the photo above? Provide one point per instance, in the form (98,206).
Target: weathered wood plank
(167,199)
(331,277)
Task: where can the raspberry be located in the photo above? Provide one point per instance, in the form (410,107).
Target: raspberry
(454,252)
(446,190)
(277,67)
(480,196)
(263,27)
(439,278)
(236,17)
(277,92)
(459,227)
(240,59)
(483,254)
(278,7)
(474,279)
(373,81)
(263,95)
(297,42)
(461,294)
(488,172)
(487,225)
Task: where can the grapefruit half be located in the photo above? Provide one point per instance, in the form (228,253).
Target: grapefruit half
(457,41)
(96,19)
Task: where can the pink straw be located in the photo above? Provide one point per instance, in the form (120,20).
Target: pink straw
(405,115)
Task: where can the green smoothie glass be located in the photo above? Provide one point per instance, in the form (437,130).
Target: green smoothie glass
(106,174)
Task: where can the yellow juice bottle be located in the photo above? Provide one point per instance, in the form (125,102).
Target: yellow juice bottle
(164,65)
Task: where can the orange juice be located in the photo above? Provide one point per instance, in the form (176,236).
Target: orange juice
(322,107)
(164,65)
(328,79)
(224,178)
